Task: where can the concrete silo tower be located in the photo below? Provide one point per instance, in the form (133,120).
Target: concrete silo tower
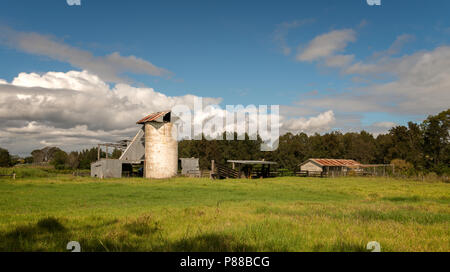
(161,147)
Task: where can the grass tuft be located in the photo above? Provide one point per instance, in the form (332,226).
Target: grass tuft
(143,225)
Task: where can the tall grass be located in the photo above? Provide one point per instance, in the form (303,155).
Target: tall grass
(185,214)
(26,172)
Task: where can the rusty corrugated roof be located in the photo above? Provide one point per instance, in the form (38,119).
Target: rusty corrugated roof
(335,162)
(152,117)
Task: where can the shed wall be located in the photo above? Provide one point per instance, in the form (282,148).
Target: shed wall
(106,169)
(310,166)
(189,166)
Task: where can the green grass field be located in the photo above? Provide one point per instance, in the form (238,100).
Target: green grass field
(182,214)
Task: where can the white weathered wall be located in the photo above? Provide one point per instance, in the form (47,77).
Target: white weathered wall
(310,166)
(97,169)
(161,151)
(106,168)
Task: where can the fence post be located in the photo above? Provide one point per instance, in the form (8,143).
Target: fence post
(14,175)
(212,168)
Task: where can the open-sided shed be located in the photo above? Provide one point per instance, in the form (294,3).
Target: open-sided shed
(246,167)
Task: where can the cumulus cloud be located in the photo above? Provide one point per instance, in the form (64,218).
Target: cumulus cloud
(320,123)
(110,67)
(421,82)
(77,105)
(326,45)
(77,110)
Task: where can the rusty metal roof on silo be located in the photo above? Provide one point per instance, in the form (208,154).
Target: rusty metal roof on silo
(335,162)
(152,117)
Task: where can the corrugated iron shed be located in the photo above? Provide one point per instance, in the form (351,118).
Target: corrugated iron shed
(335,162)
(154,117)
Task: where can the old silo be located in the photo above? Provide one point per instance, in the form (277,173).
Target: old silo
(161,146)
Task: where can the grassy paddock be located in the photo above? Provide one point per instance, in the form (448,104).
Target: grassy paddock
(183,214)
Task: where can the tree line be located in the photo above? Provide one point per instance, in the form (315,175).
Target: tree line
(60,159)
(417,147)
(420,147)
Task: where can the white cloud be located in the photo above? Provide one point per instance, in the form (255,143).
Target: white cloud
(396,46)
(421,82)
(77,110)
(36,108)
(412,84)
(319,123)
(80,98)
(73,80)
(339,60)
(110,67)
(326,45)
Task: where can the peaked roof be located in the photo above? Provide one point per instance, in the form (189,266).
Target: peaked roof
(153,117)
(334,162)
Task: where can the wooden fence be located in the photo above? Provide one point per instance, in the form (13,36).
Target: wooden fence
(222,171)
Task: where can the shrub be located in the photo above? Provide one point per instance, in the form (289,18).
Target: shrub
(402,167)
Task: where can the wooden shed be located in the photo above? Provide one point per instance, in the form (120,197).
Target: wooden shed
(324,167)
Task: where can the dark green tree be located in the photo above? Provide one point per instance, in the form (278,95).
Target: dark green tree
(5,158)
(59,159)
(436,142)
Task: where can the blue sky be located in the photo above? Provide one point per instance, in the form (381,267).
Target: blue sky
(248,52)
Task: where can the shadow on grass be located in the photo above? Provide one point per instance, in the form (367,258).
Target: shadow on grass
(50,224)
(340,246)
(210,242)
(33,237)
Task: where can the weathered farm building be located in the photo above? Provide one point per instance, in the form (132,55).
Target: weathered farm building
(328,166)
(155,147)
(107,168)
